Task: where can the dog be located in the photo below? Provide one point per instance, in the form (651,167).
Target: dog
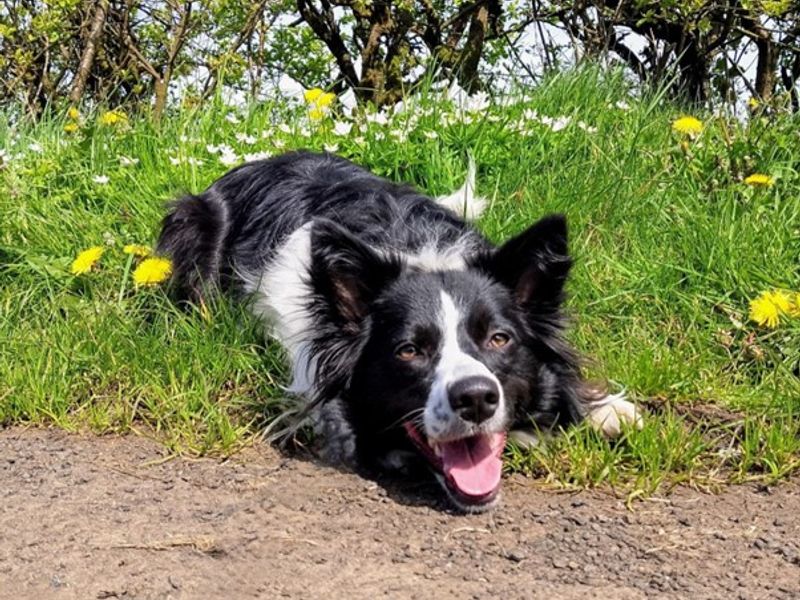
(411,337)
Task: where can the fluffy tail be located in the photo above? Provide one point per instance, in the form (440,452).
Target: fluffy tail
(192,235)
(463,201)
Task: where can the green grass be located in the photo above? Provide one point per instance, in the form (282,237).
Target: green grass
(670,248)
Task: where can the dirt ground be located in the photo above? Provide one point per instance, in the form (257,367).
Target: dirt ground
(107,517)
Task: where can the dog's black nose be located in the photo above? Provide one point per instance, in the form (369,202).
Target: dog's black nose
(474,398)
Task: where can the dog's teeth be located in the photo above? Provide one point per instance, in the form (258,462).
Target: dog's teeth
(436,449)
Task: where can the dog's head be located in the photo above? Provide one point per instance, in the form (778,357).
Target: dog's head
(441,361)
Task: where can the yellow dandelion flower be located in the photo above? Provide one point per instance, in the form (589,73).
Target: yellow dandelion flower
(136,250)
(688,126)
(152,271)
(759,180)
(753,103)
(73,113)
(312,95)
(767,309)
(794,309)
(87,259)
(325,100)
(71,127)
(113,117)
(315,114)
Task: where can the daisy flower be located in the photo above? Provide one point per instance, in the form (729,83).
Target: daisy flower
(86,260)
(152,271)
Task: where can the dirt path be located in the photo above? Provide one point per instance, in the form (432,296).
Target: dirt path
(87,517)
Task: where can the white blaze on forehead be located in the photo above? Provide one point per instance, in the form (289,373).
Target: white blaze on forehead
(441,423)
(454,362)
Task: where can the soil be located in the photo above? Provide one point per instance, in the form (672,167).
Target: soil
(110,517)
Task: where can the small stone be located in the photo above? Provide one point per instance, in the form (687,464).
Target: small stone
(516,556)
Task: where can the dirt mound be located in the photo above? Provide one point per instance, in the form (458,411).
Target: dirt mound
(88,517)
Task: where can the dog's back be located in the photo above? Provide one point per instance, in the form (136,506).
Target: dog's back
(238,225)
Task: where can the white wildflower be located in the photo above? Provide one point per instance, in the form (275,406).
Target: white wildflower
(279,144)
(212,149)
(587,128)
(100,179)
(622,105)
(378,118)
(331,147)
(232,118)
(126,161)
(263,155)
(431,135)
(245,139)
(228,158)
(284,128)
(35,147)
(341,128)
(174,161)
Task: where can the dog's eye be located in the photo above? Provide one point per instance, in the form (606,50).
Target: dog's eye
(407,352)
(499,339)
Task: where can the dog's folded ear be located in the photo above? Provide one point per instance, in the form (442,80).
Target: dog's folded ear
(346,273)
(534,264)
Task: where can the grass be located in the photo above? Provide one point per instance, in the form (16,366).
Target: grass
(670,244)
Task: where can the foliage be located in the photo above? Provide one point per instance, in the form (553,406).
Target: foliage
(138,52)
(671,247)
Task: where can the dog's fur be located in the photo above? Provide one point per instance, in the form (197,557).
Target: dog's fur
(409,334)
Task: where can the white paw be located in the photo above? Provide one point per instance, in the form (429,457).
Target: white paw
(608,415)
(524,438)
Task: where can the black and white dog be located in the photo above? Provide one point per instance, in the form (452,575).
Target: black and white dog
(409,334)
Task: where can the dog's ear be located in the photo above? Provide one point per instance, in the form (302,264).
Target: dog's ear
(534,264)
(346,273)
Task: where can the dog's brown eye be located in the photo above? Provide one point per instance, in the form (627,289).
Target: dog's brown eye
(407,352)
(499,339)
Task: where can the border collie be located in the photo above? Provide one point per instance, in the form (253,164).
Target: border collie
(410,335)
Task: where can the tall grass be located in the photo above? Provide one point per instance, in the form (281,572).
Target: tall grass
(670,245)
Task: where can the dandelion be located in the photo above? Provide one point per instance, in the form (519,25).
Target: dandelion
(759,180)
(318,103)
(100,179)
(71,127)
(113,117)
(753,103)
(152,271)
(86,260)
(73,113)
(136,250)
(767,309)
(688,126)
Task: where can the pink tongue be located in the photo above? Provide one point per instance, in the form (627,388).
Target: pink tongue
(474,465)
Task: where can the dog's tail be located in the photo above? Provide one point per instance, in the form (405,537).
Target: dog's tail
(463,201)
(192,236)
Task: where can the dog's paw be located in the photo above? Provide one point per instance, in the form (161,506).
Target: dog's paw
(526,439)
(608,415)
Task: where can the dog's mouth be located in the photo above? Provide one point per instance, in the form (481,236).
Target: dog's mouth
(471,467)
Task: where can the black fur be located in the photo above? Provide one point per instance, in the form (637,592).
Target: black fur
(366,297)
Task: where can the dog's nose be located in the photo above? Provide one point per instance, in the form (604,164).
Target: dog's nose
(474,398)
